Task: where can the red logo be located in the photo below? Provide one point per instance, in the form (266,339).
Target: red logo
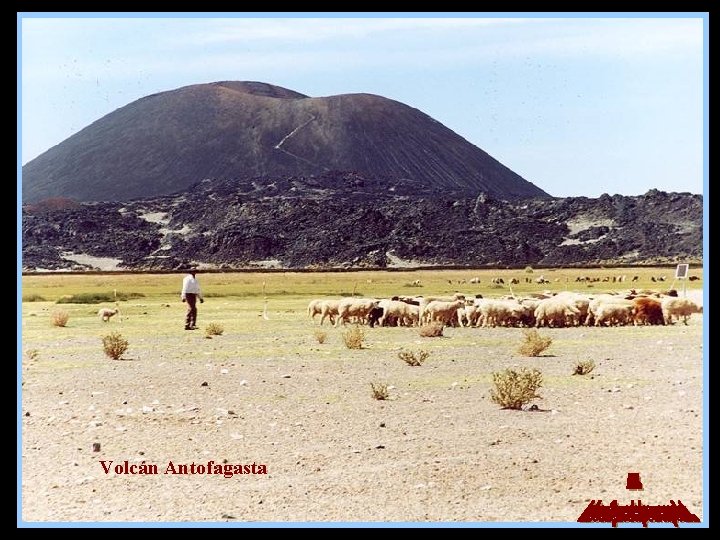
(615,513)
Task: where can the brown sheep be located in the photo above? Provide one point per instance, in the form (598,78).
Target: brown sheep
(647,311)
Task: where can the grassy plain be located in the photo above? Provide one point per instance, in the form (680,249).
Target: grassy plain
(437,450)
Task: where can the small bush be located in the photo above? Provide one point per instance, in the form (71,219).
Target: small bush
(320,336)
(114,345)
(533,343)
(513,389)
(379,391)
(59,318)
(98,298)
(214,329)
(583,367)
(432,330)
(32,354)
(529,270)
(33,298)
(412,359)
(354,338)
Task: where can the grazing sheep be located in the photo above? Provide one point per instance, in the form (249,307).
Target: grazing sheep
(329,309)
(314,308)
(354,307)
(444,312)
(106,313)
(678,307)
(475,280)
(556,312)
(498,312)
(397,313)
(424,301)
(647,311)
(617,313)
(514,281)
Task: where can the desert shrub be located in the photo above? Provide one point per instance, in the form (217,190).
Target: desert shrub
(214,329)
(32,354)
(320,336)
(513,389)
(59,318)
(354,338)
(583,367)
(434,329)
(412,359)
(529,270)
(98,298)
(33,298)
(533,343)
(114,345)
(379,391)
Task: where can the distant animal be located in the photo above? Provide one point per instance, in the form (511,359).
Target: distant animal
(106,313)
(635,278)
(693,278)
(475,280)
(514,281)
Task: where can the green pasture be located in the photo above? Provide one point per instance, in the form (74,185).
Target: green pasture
(288,285)
(264,318)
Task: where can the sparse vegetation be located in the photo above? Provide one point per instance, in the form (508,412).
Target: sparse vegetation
(533,343)
(513,389)
(98,298)
(320,336)
(114,345)
(33,298)
(583,367)
(379,391)
(59,318)
(412,359)
(214,329)
(434,329)
(354,337)
(32,354)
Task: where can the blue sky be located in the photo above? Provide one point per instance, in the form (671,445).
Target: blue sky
(578,106)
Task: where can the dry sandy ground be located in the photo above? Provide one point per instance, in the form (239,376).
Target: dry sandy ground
(438,450)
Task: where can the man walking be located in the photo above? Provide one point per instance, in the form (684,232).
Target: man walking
(191,294)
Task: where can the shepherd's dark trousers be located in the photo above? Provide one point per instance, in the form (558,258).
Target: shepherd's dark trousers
(191,316)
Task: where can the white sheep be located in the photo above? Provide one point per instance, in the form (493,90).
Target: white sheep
(106,313)
(359,308)
(618,312)
(328,309)
(556,312)
(443,311)
(398,312)
(314,308)
(503,312)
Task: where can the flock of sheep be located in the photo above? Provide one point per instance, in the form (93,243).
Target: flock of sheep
(543,309)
